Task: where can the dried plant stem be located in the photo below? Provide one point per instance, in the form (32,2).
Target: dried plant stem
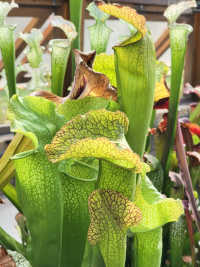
(181,156)
(191,233)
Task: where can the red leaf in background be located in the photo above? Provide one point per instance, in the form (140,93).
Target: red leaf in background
(193,127)
(163,124)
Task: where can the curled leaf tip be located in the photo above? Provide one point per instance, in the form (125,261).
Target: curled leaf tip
(96,13)
(173,12)
(34,51)
(66,26)
(125,13)
(97,134)
(110,210)
(88,58)
(88,82)
(5,8)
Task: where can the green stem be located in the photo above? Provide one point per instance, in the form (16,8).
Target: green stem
(148,248)
(59,58)
(10,243)
(76,17)
(11,193)
(178,40)
(7,47)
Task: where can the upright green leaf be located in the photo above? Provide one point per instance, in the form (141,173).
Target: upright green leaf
(177,240)
(77,185)
(59,58)
(38,180)
(178,40)
(99,134)
(135,69)
(99,32)
(135,72)
(10,191)
(9,242)
(34,51)
(7,46)
(149,245)
(76,11)
(60,53)
(76,17)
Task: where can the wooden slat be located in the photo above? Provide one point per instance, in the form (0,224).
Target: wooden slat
(163,43)
(143,2)
(40,2)
(163,48)
(32,11)
(162,38)
(6,138)
(141,8)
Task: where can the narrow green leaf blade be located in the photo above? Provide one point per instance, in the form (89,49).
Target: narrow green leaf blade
(34,52)
(60,53)
(11,193)
(99,32)
(7,47)
(76,7)
(59,58)
(178,40)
